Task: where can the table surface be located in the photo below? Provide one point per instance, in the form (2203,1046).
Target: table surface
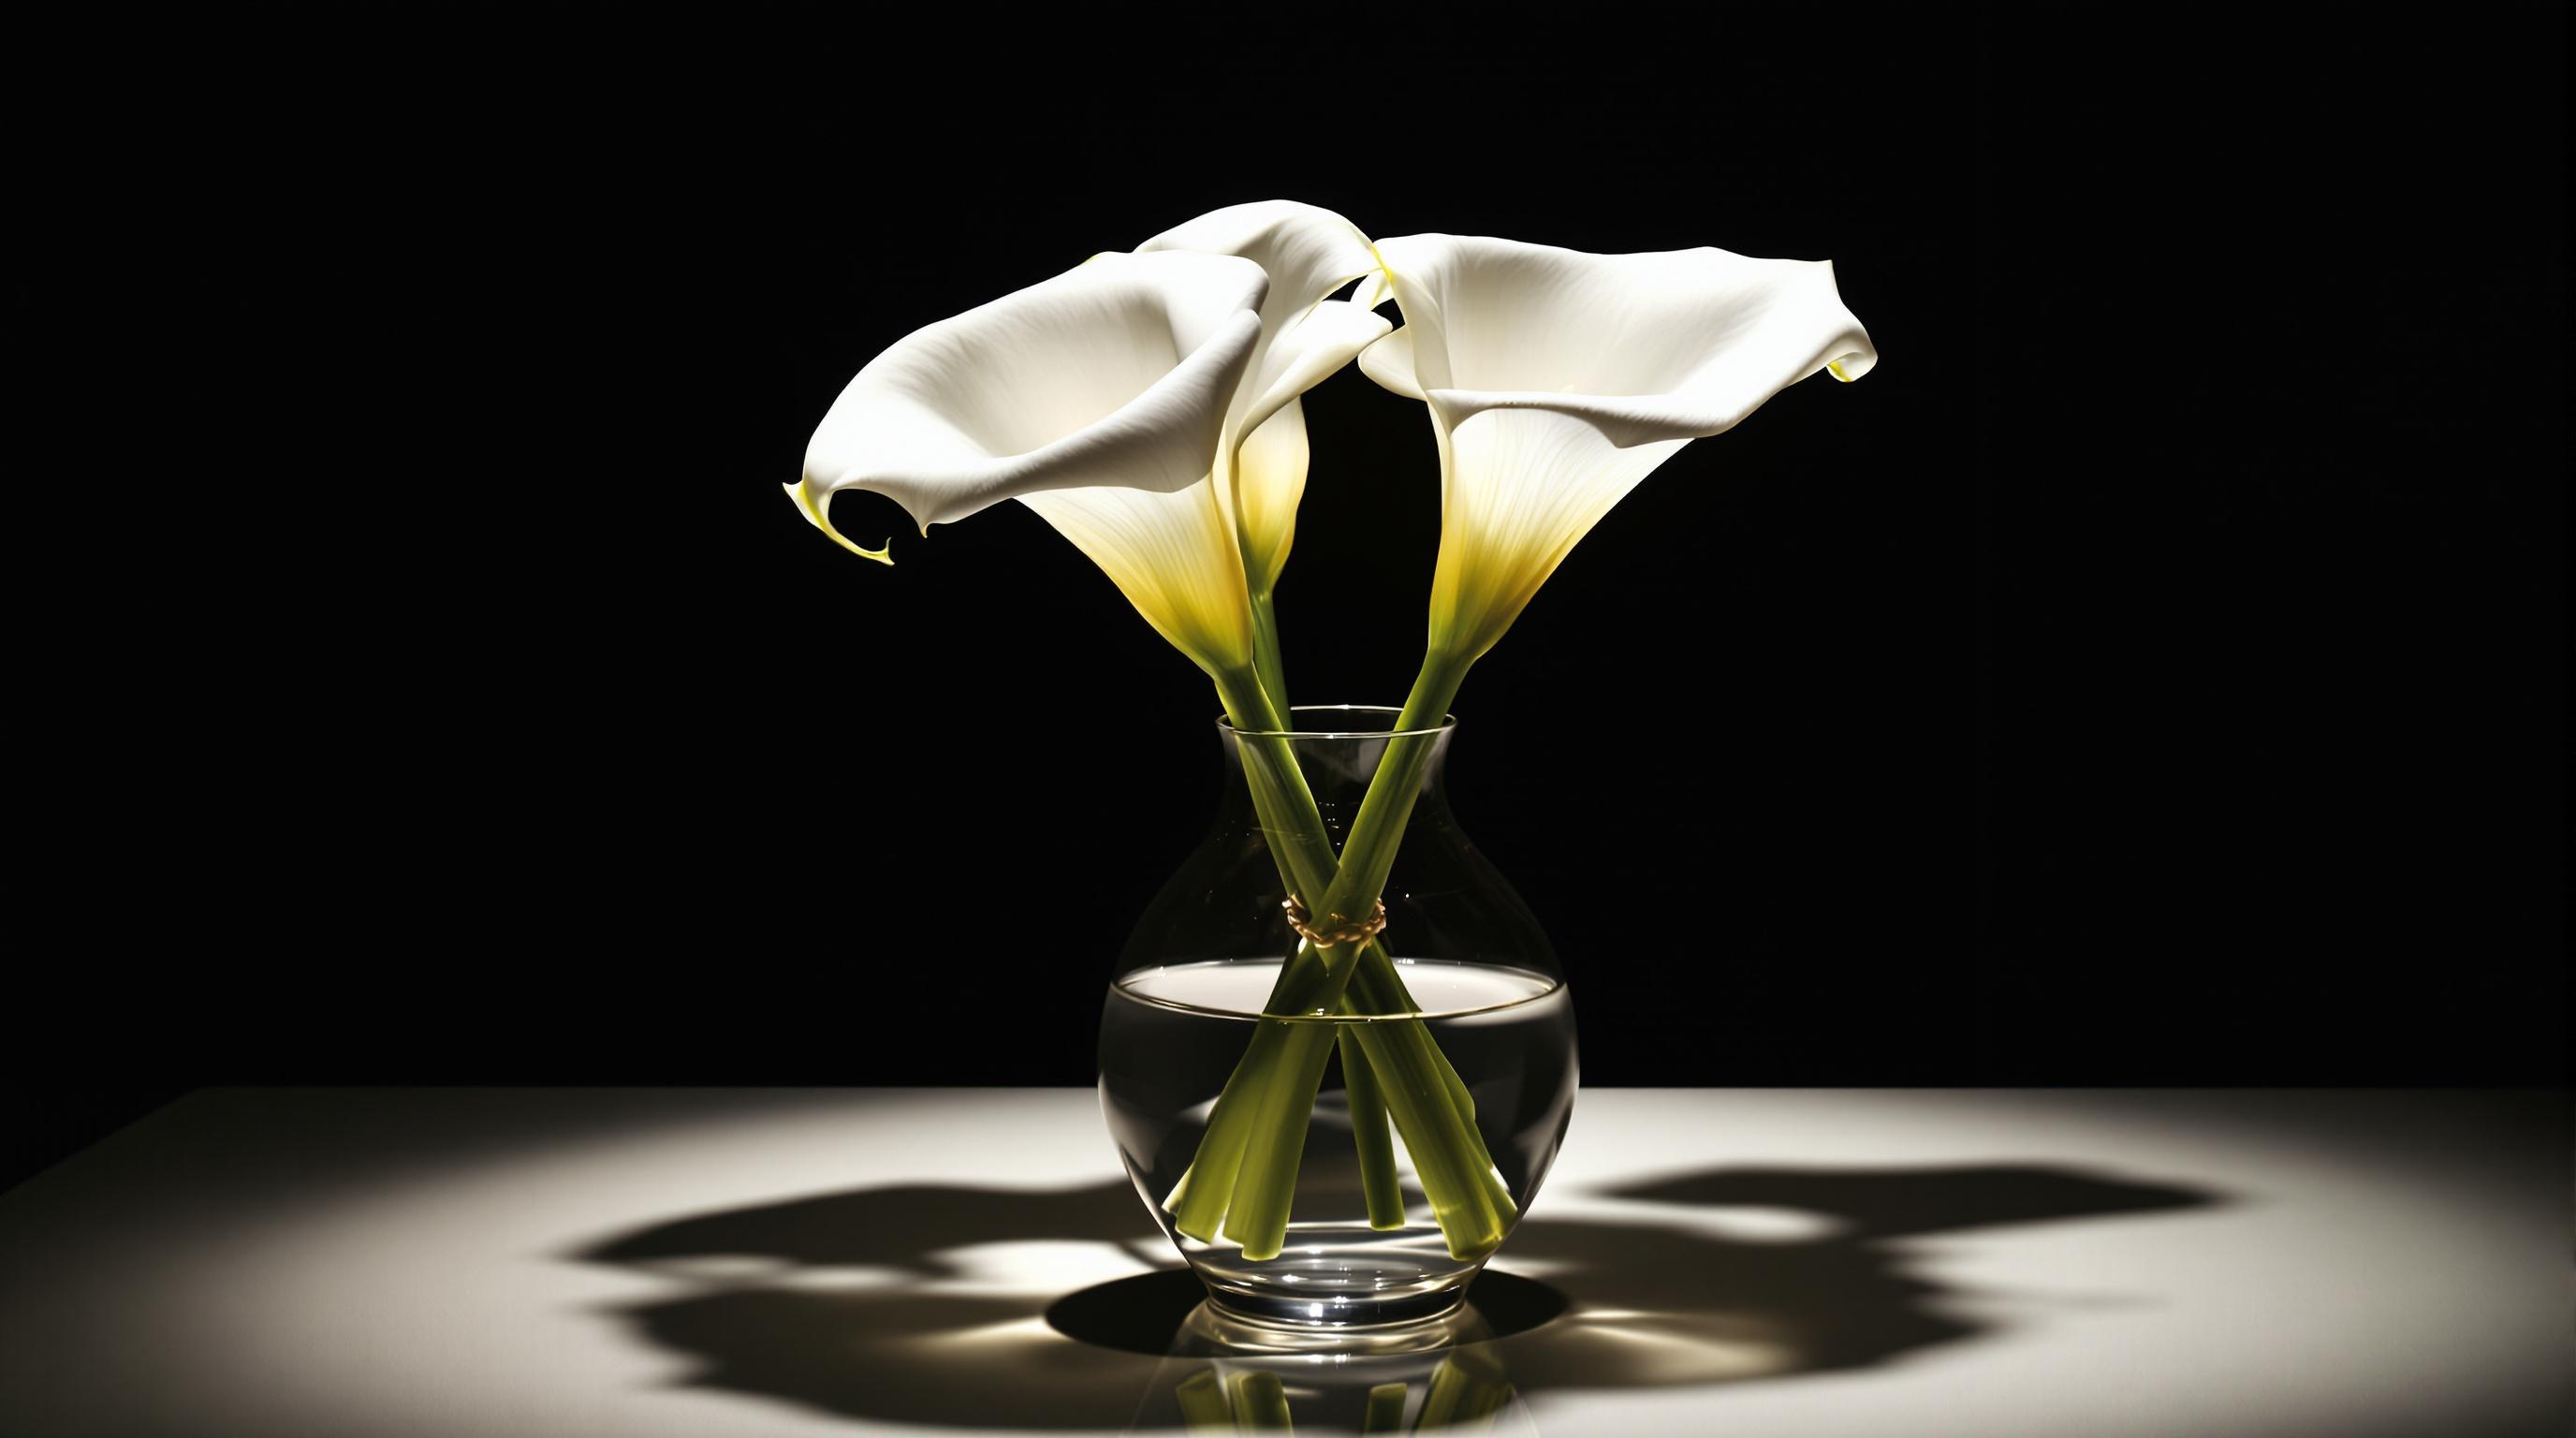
(736,1262)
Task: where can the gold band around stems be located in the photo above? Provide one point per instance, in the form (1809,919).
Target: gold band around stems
(1341,931)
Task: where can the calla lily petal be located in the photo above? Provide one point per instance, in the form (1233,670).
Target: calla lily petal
(1333,334)
(1174,558)
(1307,253)
(1271,474)
(1269,461)
(805,505)
(1374,289)
(1390,363)
(1672,345)
(1099,399)
(1557,380)
(1117,372)
(1525,487)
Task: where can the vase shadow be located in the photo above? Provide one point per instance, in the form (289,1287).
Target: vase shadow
(1648,1299)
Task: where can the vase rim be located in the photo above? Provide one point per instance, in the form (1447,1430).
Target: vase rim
(1340,721)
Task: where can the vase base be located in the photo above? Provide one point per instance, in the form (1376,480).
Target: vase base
(1338,1278)
(1289,1313)
(1259,1323)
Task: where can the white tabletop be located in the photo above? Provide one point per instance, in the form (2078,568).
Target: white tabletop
(729,1263)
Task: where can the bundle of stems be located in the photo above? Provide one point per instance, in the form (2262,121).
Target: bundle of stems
(1345,996)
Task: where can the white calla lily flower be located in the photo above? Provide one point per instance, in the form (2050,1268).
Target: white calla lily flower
(1098,398)
(1557,380)
(1307,253)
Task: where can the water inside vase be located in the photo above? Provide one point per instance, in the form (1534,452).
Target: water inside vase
(1170,1037)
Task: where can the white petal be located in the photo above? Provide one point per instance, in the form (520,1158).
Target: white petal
(1307,252)
(1171,555)
(1269,473)
(1117,372)
(806,504)
(1374,290)
(1557,380)
(1521,488)
(1270,480)
(1390,363)
(1308,354)
(1644,347)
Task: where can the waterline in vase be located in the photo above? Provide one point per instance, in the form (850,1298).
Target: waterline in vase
(1236,988)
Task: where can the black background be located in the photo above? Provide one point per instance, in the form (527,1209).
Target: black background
(2152,674)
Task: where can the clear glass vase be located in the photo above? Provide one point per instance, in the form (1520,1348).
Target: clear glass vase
(1396,1135)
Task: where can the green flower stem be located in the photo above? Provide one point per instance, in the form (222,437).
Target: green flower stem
(1368,1128)
(1266,1184)
(1291,823)
(1369,854)
(1386,994)
(1289,1057)
(1293,828)
(1468,1197)
(1267,665)
(1243,1177)
(1457,1175)
(1385,1409)
(1198,1203)
(1202,1201)
(1260,1402)
(1204,1408)
(1463,1392)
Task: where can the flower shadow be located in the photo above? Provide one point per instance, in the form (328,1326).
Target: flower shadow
(1654,1297)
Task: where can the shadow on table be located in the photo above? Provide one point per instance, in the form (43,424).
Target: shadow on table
(1626,1304)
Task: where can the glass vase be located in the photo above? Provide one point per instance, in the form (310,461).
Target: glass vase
(1396,1135)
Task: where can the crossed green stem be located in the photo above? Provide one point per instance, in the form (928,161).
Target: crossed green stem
(1243,1178)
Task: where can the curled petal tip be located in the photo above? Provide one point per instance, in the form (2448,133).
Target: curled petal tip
(803,495)
(1853,363)
(883,556)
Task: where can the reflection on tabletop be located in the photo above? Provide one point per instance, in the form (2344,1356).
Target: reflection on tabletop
(1587,1302)
(1224,1377)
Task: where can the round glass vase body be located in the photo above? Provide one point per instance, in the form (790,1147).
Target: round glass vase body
(1368,1156)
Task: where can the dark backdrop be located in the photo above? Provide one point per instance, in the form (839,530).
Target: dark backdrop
(2151,675)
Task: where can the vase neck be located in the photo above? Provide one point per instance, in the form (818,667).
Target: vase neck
(1339,766)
